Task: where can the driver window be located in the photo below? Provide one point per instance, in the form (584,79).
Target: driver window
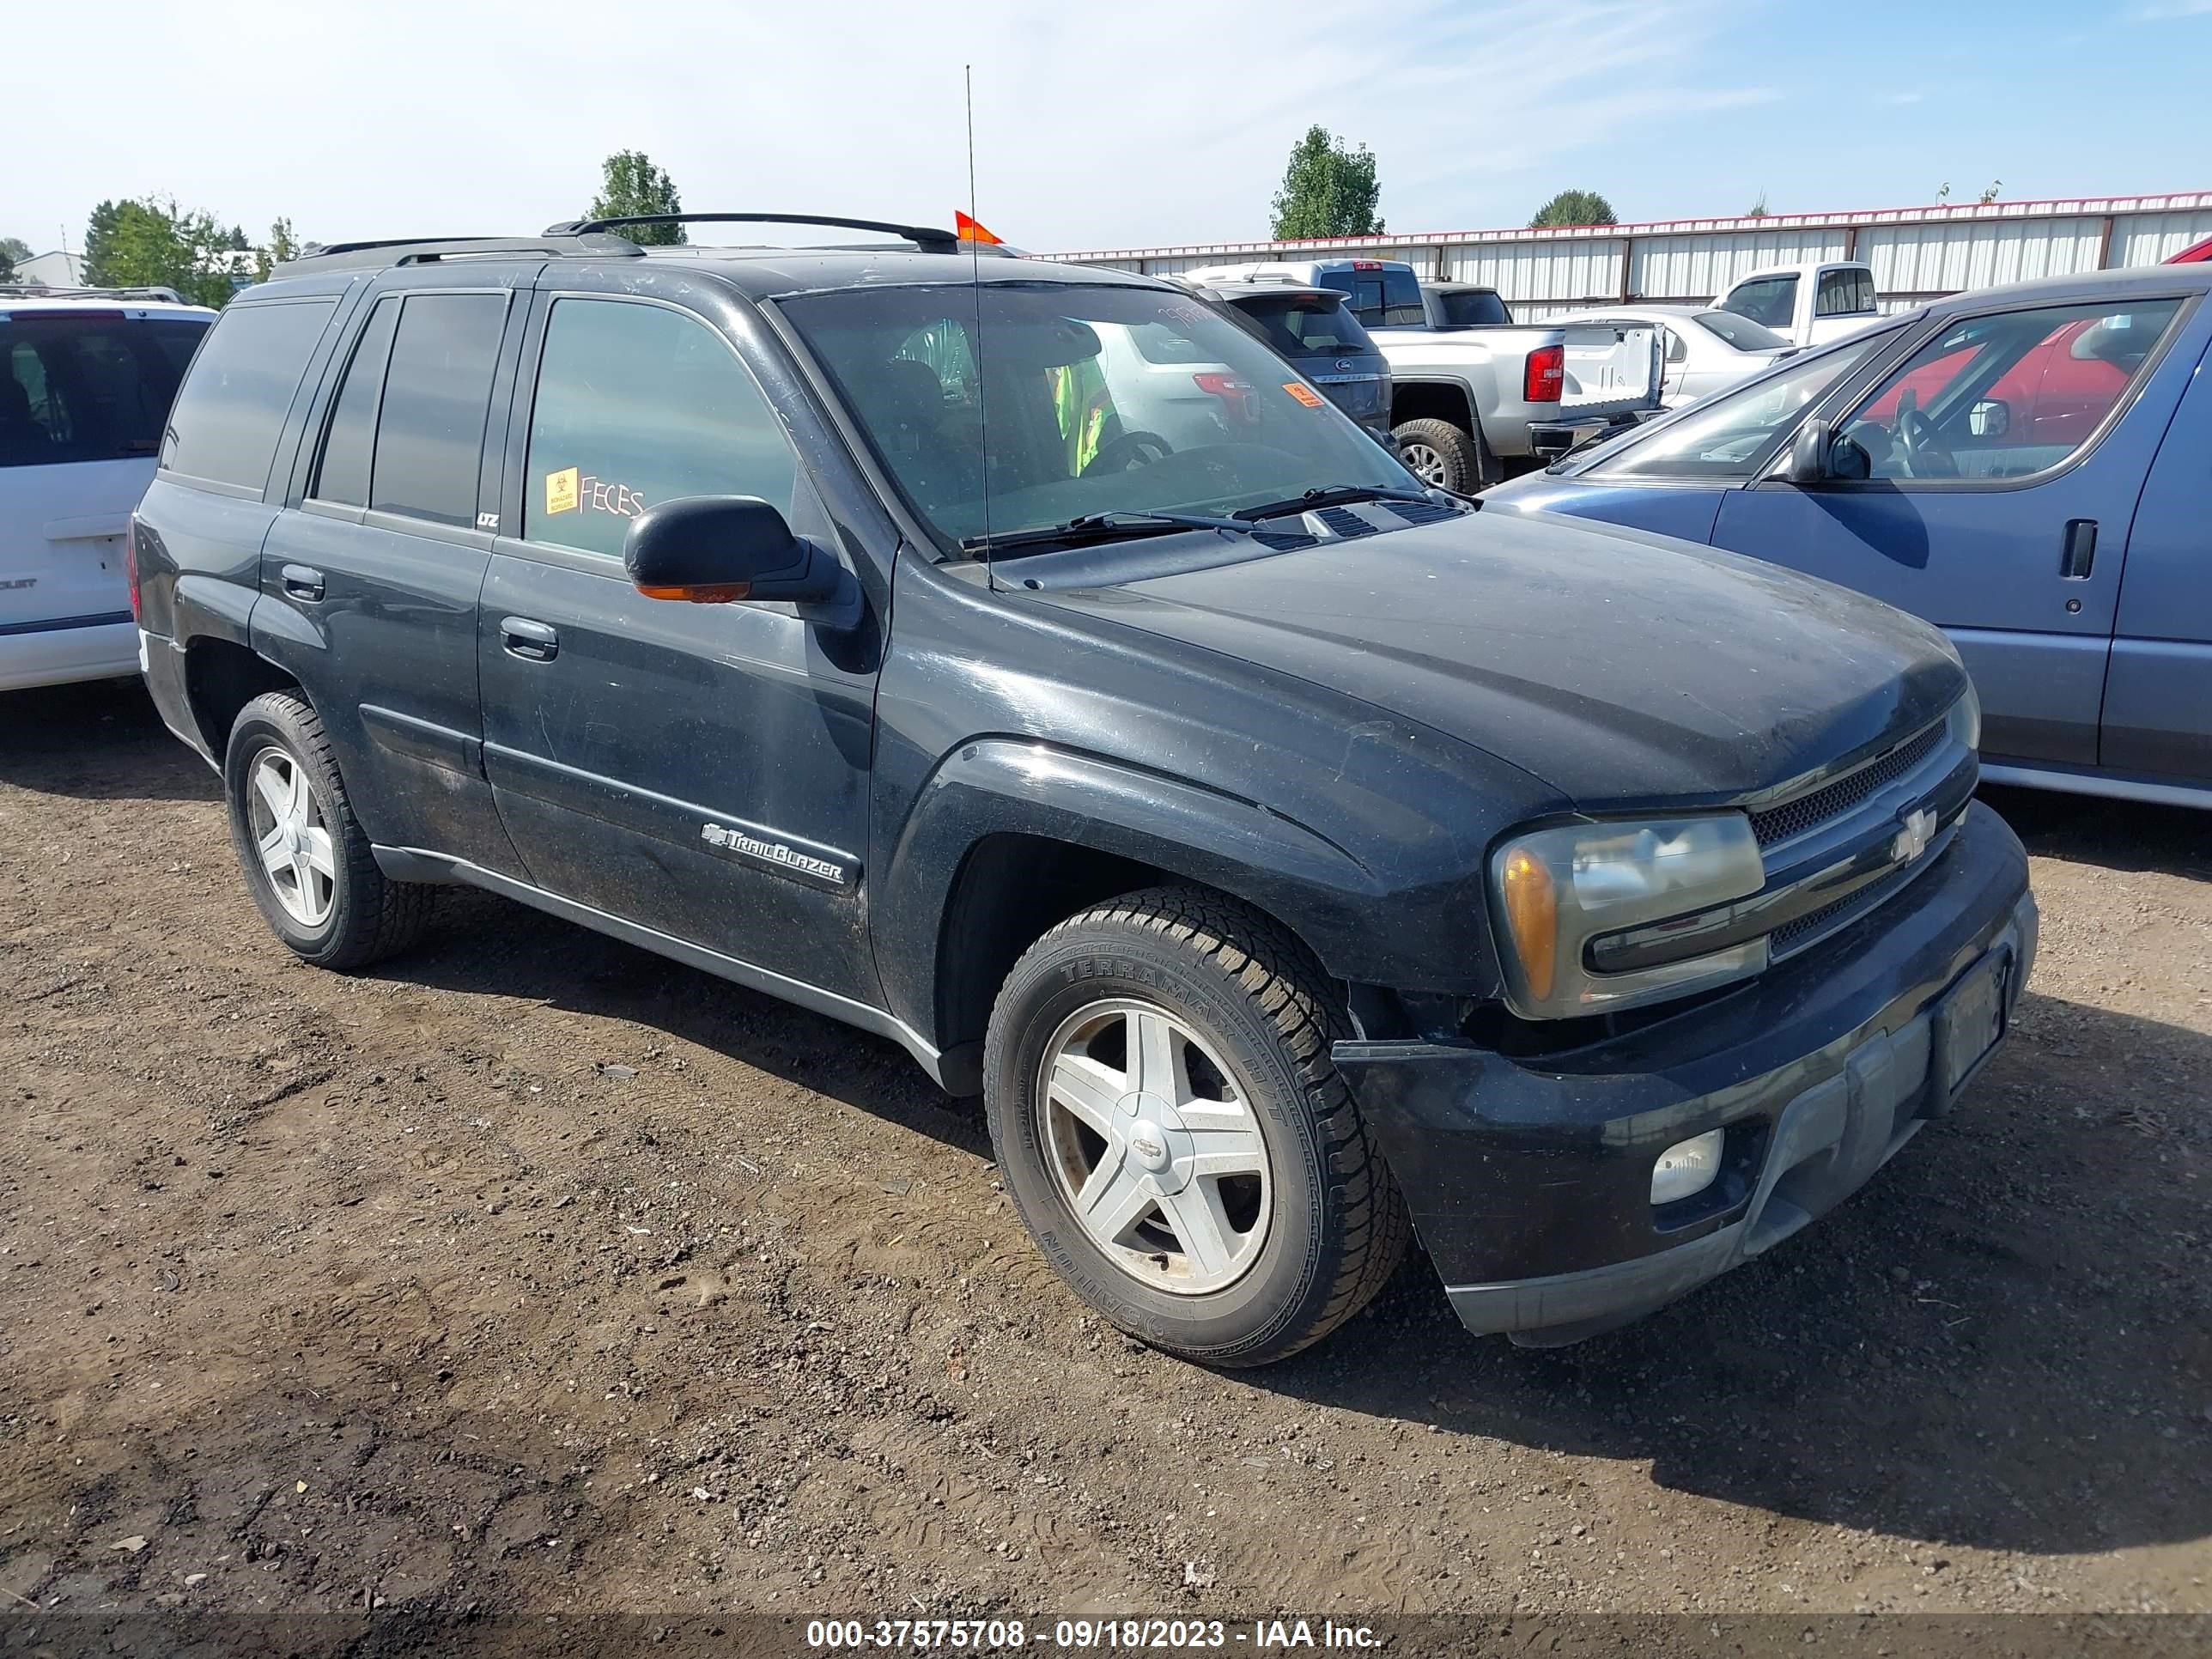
(2004,396)
(638,403)
(1771,301)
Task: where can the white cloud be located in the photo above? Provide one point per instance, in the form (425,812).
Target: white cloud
(1900,98)
(1148,121)
(2162,11)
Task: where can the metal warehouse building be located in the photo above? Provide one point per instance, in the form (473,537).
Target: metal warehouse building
(1917,253)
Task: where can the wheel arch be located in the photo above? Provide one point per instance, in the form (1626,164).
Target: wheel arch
(1433,400)
(1009,838)
(221,677)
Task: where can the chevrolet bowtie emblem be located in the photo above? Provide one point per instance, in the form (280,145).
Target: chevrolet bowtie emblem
(1918,827)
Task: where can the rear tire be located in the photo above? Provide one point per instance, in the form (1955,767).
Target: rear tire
(1271,1218)
(1437,452)
(305,859)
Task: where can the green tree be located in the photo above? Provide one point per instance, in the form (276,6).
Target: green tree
(1758,207)
(14,250)
(151,243)
(283,245)
(631,185)
(1575,207)
(1328,189)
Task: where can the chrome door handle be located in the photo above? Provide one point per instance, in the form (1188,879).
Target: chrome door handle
(302,583)
(533,641)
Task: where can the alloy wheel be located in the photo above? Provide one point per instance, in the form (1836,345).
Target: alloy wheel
(1154,1145)
(292,838)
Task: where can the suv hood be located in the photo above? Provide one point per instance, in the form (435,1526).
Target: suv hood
(1621,668)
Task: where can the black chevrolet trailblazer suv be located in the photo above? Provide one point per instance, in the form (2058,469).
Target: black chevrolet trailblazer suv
(1293,857)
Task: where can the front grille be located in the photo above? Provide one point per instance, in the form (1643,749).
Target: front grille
(1793,818)
(1815,924)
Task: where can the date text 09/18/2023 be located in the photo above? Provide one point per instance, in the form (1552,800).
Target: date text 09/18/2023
(1085,1635)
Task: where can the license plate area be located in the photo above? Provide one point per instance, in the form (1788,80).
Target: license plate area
(1968,1022)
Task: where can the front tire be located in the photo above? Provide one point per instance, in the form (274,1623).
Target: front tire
(305,859)
(1175,1136)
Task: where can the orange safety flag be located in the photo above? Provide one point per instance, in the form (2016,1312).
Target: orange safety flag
(969,231)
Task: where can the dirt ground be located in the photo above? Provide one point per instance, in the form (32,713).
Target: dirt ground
(533,1273)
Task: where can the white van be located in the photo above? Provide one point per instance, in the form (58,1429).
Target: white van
(85,378)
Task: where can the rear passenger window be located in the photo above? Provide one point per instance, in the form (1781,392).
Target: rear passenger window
(227,419)
(342,476)
(637,404)
(430,431)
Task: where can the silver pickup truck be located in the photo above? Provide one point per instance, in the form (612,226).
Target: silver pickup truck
(1474,394)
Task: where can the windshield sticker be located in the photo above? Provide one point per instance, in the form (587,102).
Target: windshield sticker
(1304,394)
(561,491)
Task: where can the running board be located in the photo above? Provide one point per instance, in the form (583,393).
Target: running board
(2096,783)
(957,1071)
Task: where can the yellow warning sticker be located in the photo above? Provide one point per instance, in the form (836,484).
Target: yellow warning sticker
(561,491)
(1304,394)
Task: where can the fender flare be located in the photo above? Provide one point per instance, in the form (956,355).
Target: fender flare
(1019,786)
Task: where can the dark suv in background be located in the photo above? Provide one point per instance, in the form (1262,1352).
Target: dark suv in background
(1287,852)
(1314,330)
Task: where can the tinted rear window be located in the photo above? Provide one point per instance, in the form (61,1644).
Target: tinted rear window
(342,476)
(227,417)
(1303,327)
(1382,296)
(429,436)
(89,386)
(1474,307)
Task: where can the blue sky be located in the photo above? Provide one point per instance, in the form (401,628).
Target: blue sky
(1135,121)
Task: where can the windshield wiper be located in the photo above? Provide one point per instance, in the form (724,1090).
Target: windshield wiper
(1102,527)
(1331,496)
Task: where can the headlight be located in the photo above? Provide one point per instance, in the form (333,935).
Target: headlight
(1556,889)
(1964,719)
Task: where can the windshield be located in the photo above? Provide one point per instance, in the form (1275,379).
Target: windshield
(1727,435)
(1739,332)
(89,386)
(1095,399)
(1473,307)
(1304,326)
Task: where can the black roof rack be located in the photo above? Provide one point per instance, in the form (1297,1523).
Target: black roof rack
(924,238)
(411,251)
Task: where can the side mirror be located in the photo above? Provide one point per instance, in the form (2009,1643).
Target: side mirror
(1810,449)
(1990,418)
(711,550)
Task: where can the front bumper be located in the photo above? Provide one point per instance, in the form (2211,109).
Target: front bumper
(1530,1179)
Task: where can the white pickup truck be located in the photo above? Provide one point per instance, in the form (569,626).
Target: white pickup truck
(1473,393)
(1807,304)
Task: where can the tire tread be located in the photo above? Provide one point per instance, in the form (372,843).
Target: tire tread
(389,916)
(1274,968)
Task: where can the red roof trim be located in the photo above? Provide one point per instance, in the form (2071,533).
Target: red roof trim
(2181,201)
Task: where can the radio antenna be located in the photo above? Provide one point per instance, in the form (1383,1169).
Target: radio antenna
(976,281)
